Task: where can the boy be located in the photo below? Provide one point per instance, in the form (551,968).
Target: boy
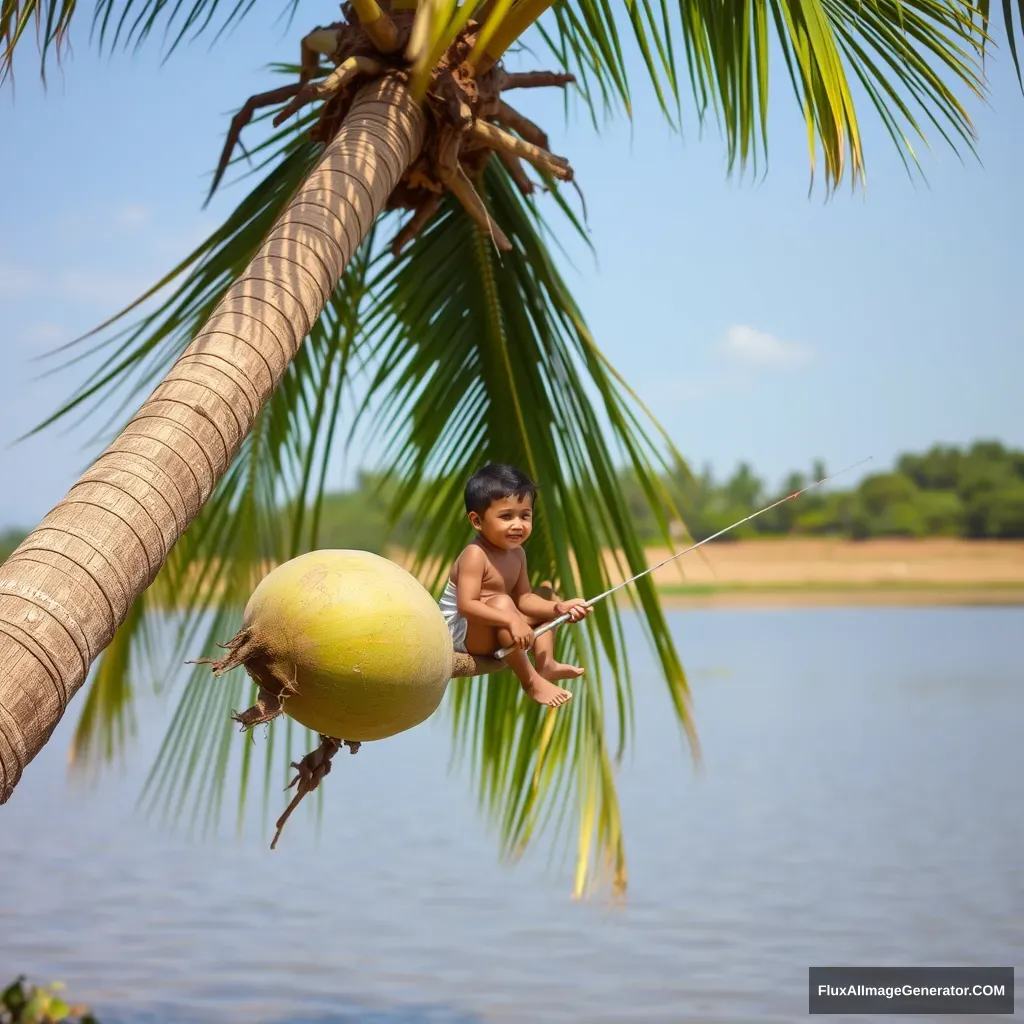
(488,602)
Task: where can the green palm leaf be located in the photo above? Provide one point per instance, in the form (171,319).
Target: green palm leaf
(907,56)
(490,359)
(506,367)
(984,8)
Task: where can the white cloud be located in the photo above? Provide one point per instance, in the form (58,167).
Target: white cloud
(753,347)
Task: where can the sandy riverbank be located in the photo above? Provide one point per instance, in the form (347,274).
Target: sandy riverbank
(806,572)
(810,572)
(802,571)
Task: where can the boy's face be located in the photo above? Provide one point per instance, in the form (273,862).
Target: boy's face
(506,523)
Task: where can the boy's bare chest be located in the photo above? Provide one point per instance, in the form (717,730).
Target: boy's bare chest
(501,574)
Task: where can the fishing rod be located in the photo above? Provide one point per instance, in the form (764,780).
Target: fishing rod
(693,547)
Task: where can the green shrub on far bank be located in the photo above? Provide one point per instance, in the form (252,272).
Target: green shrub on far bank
(27,1004)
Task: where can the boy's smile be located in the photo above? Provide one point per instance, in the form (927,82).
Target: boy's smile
(507,522)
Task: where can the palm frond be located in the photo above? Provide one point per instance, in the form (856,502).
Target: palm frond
(512,349)
(486,359)
(984,8)
(910,59)
(127,23)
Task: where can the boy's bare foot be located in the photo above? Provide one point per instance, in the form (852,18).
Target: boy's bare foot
(558,670)
(544,692)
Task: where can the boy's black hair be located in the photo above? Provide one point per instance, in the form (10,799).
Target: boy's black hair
(495,481)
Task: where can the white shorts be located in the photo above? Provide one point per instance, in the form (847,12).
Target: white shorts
(457,625)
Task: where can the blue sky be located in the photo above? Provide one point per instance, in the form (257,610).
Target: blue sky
(757,322)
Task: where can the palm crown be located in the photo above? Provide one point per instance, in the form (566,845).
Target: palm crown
(454,331)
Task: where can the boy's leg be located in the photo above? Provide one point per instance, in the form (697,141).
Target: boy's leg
(544,656)
(544,645)
(483,640)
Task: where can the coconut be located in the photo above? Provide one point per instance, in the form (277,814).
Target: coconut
(346,643)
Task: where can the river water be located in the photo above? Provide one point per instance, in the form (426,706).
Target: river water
(861,802)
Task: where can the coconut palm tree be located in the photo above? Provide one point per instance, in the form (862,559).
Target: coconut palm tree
(455,330)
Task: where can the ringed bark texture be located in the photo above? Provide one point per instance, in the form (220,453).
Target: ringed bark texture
(69,585)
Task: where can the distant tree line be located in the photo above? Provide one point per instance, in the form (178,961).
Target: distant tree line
(975,492)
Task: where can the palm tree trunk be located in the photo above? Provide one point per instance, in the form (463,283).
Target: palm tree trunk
(69,585)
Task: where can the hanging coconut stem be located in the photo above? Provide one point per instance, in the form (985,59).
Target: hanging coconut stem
(311,770)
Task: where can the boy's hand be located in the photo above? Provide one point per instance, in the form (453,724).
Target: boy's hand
(522,633)
(576,608)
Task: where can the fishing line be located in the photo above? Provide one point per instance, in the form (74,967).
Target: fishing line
(693,547)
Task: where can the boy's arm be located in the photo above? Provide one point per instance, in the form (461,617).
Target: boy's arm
(534,606)
(467,592)
(529,603)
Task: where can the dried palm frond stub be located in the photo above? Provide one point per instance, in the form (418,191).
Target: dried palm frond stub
(468,119)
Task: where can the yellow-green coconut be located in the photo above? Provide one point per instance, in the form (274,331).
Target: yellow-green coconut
(355,646)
